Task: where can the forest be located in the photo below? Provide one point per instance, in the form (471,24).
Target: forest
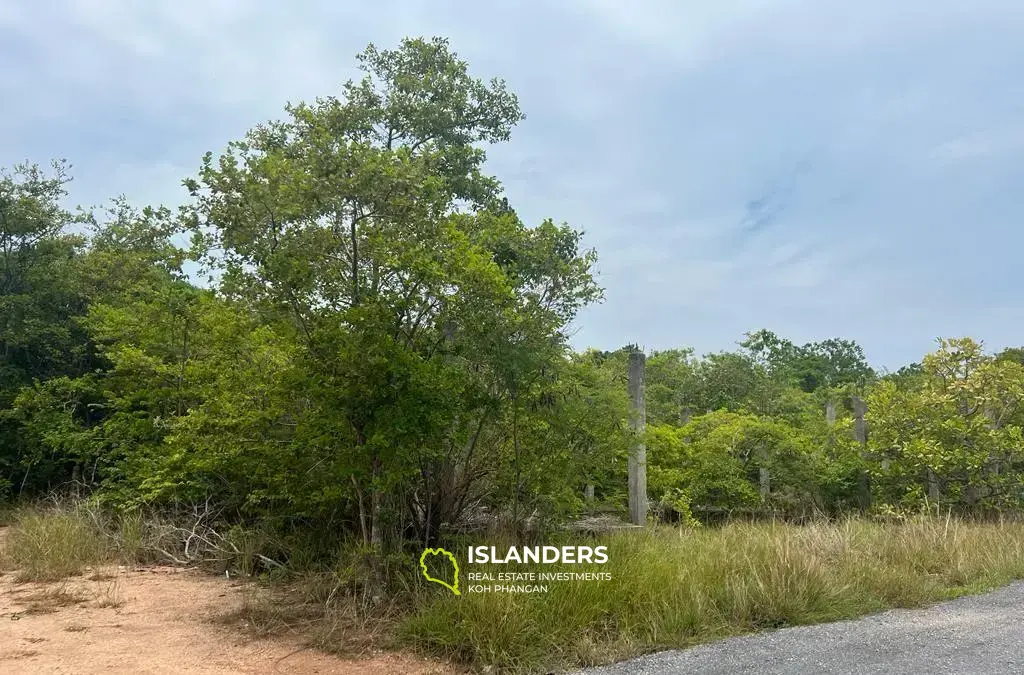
(347,336)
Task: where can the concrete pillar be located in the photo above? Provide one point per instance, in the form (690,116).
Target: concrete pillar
(638,453)
(860,433)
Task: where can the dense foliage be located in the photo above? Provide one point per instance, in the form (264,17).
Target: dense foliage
(348,326)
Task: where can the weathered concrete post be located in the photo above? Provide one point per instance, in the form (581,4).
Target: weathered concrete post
(588,493)
(974,492)
(764,475)
(860,433)
(933,487)
(638,453)
(830,413)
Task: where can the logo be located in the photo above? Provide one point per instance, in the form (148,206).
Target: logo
(454,587)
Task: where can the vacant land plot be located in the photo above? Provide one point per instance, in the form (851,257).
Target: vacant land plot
(152,620)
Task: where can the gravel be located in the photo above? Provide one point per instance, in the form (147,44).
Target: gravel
(976,634)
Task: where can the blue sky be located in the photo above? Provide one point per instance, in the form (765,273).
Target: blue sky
(815,167)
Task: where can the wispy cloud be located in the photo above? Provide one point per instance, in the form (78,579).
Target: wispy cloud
(1005,141)
(764,211)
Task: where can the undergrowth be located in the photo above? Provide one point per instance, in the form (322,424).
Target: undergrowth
(669,587)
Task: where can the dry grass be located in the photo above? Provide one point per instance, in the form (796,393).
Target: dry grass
(49,546)
(109,593)
(64,538)
(675,588)
(336,624)
(50,600)
(669,588)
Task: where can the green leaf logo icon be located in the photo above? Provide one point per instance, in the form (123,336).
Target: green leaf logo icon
(454,587)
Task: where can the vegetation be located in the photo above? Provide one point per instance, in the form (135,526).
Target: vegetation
(55,540)
(347,346)
(53,546)
(675,588)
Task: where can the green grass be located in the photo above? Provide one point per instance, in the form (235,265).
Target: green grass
(675,588)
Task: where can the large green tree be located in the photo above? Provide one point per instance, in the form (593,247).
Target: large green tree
(365,228)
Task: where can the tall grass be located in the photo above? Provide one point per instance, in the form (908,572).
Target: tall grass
(674,588)
(52,545)
(669,587)
(60,539)
(6,514)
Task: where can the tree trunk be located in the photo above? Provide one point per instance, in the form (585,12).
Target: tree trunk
(376,528)
(519,467)
(375,588)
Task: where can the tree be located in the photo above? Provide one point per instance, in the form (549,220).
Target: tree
(832,363)
(727,381)
(362,226)
(1015,354)
(907,376)
(956,437)
(40,303)
(775,354)
(671,387)
(829,363)
(714,463)
(38,300)
(131,313)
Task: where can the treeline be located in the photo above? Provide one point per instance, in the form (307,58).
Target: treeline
(348,328)
(812,429)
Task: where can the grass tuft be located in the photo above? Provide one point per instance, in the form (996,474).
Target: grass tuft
(53,545)
(49,600)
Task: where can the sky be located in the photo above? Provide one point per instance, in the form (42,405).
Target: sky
(814,167)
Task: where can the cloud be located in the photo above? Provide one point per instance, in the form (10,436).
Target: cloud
(820,168)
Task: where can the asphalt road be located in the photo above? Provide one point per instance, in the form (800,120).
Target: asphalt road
(982,634)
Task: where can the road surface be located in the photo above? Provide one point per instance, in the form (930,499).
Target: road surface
(982,634)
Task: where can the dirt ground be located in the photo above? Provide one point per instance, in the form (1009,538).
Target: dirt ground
(153,620)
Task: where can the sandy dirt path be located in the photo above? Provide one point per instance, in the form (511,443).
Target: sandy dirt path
(153,620)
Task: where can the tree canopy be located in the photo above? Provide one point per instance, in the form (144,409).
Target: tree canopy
(378,344)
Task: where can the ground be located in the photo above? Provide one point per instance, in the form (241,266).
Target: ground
(977,635)
(151,620)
